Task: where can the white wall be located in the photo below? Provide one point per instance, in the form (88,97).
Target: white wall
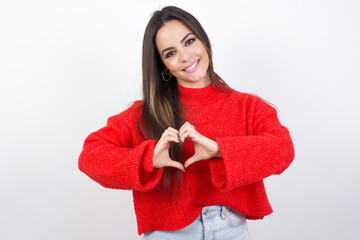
(65,66)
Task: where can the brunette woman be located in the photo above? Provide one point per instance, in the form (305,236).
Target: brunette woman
(193,151)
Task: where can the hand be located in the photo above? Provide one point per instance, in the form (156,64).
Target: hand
(205,148)
(161,156)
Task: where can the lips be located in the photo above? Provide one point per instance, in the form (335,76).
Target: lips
(192,67)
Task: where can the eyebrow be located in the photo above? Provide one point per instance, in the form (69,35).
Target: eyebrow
(182,40)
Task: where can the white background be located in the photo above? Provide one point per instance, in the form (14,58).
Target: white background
(66,66)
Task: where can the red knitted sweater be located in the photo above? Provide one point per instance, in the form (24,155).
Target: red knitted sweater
(253,144)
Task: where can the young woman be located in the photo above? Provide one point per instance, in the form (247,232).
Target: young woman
(193,151)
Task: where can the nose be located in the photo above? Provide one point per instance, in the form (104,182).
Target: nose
(185,55)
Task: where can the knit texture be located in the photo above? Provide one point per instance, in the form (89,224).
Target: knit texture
(252,141)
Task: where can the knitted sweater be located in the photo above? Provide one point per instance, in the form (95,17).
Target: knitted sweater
(252,142)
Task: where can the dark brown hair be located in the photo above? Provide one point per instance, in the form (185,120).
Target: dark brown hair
(161,108)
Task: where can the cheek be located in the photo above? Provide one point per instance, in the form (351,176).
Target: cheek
(200,49)
(172,65)
(203,54)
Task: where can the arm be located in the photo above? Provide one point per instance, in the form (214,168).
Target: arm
(111,158)
(266,150)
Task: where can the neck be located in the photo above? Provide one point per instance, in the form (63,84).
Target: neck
(198,84)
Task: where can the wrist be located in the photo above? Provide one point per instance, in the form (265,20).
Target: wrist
(217,151)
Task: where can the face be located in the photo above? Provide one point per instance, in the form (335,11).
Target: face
(183,54)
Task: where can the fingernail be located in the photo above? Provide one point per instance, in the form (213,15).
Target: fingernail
(185,169)
(182,170)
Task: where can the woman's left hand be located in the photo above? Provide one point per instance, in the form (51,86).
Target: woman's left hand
(205,148)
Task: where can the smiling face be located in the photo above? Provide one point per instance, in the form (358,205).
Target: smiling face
(183,54)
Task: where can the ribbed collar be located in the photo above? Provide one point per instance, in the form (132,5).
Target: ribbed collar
(201,96)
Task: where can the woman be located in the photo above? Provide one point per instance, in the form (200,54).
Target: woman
(194,151)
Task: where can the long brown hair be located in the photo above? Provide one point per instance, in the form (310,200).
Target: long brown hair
(161,108)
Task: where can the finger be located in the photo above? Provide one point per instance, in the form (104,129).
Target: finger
(170,129)
(191,135)
(169,133)
(190,161)
(174,139)
(186,127)
(168,139)
(175,164)
(184,136)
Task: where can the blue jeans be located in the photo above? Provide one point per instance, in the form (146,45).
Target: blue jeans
(214,223)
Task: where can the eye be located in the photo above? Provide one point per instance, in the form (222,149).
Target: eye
(190,41)
(169,54)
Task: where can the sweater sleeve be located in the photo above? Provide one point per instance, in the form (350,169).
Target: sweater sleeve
(111,157)
(266,150)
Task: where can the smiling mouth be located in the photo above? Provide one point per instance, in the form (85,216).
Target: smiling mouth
(192,66)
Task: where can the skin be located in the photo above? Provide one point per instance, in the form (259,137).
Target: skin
(179,48)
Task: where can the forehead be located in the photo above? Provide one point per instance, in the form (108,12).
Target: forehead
(170,34)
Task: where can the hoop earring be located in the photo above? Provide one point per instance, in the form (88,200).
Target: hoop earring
(168,73)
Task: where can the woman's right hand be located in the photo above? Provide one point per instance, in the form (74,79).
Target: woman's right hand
(161,156)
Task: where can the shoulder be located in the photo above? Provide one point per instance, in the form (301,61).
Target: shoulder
(243,97)
(129,115)
(251,102)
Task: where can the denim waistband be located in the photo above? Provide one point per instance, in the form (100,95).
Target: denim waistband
(213,211)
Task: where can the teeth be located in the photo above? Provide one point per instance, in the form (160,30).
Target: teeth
(191,67)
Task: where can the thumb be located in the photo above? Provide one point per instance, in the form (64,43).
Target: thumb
(190,161)
(175,164)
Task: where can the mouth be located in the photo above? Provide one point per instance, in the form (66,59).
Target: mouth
(192,67)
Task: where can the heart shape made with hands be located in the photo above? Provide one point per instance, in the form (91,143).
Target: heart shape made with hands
(205,148)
